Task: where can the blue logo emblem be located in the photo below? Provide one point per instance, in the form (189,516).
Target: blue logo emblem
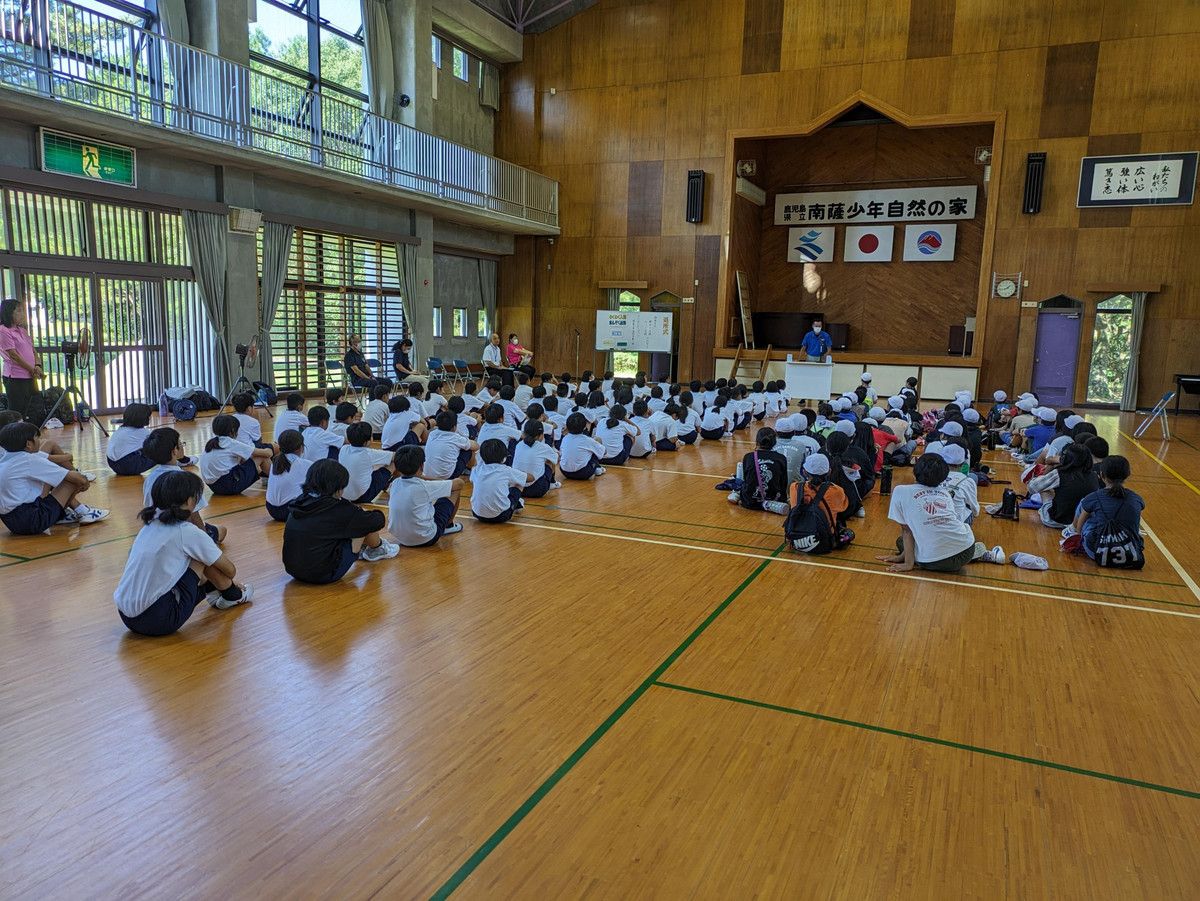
(929,243)
(809,248)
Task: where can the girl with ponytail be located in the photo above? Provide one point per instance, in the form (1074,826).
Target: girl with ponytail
(288,472)
(230,466)
(173,564)
(1114,503)
(616,434)
(535,457)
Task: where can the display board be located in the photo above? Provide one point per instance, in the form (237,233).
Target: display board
(626,330)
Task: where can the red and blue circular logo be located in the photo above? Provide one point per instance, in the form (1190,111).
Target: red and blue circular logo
(929,243)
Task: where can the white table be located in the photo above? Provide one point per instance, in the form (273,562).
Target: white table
(813,381)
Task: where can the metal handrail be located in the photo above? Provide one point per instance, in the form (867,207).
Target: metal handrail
(57,49)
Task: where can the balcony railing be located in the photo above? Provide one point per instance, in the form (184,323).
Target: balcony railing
(75,55)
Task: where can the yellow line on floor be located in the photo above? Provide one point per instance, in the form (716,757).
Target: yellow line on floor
(874,572)
(1160,462)
(1188,580)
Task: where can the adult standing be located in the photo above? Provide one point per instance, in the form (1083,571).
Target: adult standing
(493,361)
(519,357)
(402,364)
(21,366)
(356,364)
(817,343)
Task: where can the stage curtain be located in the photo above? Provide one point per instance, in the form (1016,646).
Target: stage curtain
(276,249)
(1129,395)
(487,290)
(379,77)
(206,237)
(406,262)
(173,21)
(489,86)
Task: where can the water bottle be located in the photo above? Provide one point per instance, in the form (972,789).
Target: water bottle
(885,480)
(779,507)
(162,406)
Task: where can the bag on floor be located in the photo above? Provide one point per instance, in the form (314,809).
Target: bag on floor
(807,528)
(1009,508)
(929,420)
(265,393)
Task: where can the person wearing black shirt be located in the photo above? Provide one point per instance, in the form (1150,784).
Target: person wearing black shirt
(356,365)
(843,456)
(764,473)
(402,365)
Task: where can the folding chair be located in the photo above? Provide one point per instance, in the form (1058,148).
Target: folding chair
(335,368)
(461,372)
(437,370)
(1160,413)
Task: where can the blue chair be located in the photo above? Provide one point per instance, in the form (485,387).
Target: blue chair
(437,370)
(1160,413)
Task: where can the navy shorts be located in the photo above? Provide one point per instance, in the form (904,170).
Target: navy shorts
(464,460)
(380,479)
(237,479)
(582,475)
(280,513)
(689,438)
(443,512)
(34,517)
(541,485)
(514,504)
(349,556)
(665,444)
(170,611)
(133,463)
(712,434)
(619,459)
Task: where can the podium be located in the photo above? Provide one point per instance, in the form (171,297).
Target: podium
(813,381)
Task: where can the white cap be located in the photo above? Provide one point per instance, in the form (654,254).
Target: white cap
(846,427)
(1024,395)
(1071,421)
(844,404)
(963,398)
(1026,405)
(999,396)
(935,447)
(896,402)
(953,454)
(953,429)
(816,465)
(784,425)
(1046,414)
(971,414)
(877,413)
(866,376)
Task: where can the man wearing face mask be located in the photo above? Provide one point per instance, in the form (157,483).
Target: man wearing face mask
(817,343)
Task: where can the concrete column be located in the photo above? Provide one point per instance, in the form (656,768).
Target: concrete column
(422,329)
(241,273)
(412,31)
(202,23)
(233,30)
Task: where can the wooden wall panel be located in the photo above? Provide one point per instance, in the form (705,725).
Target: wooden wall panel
(645,198)
(660,82)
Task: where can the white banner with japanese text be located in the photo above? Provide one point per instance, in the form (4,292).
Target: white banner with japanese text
(877,205)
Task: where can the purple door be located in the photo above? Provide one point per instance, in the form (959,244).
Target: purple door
(1055,356)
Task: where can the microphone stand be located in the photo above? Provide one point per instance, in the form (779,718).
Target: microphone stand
(577,351)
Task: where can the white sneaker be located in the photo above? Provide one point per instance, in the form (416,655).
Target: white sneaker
(554,485)
(861,514)
(68,517)
(995,555)
(734,496)
(453,528)
(85,516)
(90,476)
(221,604)
(992,508)
(600,470)
(385,551)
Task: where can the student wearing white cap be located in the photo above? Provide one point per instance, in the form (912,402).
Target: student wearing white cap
(796,448)
(959,483)
(972,431)
(899,424)
(1022,419)
(1041,432)
(866,383)
(828,502)
(1001,408)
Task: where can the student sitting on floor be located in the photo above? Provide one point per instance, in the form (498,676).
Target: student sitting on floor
(422,510)
(537,458)
(319,442)
(166,450)
(293,417)
(792,449)
(523,392)
(643,442)
(580,453)
(716,423)
(497,488)
(764,475)
(656,402)
(664,433)
(932,536)
(1099,450)
(963,488)
(51,449)
(125,456)
(814,478)
(1114,505)
(1064,486)
(468,423)
(334,396)
(377,411)
(248,426)
(436,398)
(346,414)
(173,565)
(495,427)
(403,426)
(325,533)
(229,466)
(35,493)
(370,471)
(448,455)
(616,433)
(687,420)
(289,469)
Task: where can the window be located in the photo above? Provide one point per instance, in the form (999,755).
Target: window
(315,44)
(481,324)
(460,323)
(437,322)
(437,51)
(460,64)
(1111,350)
(625,362)
(335,284)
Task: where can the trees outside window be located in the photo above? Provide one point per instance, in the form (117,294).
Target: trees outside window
(1111,350)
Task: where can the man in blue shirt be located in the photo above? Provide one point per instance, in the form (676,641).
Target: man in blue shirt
(817,343)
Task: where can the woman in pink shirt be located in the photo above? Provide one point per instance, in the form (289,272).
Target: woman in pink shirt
(519,357)
(20,362)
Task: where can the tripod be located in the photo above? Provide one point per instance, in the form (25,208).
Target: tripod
(73,389)
(238,383)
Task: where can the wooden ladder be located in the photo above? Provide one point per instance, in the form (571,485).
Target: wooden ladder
(750,364)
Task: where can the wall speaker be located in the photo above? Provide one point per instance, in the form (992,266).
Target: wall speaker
(1035,176)
(695,195)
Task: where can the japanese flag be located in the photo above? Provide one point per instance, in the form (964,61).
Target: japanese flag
(929,243)
(868,244)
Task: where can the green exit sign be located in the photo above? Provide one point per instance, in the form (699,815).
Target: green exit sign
(68,154)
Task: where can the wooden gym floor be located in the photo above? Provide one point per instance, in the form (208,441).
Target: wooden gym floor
(632,692)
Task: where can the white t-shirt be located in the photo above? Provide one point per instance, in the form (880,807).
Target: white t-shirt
(229,453)
(613,439)
(643,443)
(160,555)
(125,440)
(639,392)
(463,425)
(433,405)
(533,459)
(292,420)
(376,414)
(662,426)
(397,426)
(929,513)
(656,404)
(473,402)
(441,453)
(774,403)
(688,422)
(283,488)
(22,476)
(491,481)
(577,450)
(965,492)
(716,419)
(151,477)
(522,397)
(318,441)
(410,508)
(497,430)
(757,401)
(360,462)
(338,428)
(248,427)
(514,416)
